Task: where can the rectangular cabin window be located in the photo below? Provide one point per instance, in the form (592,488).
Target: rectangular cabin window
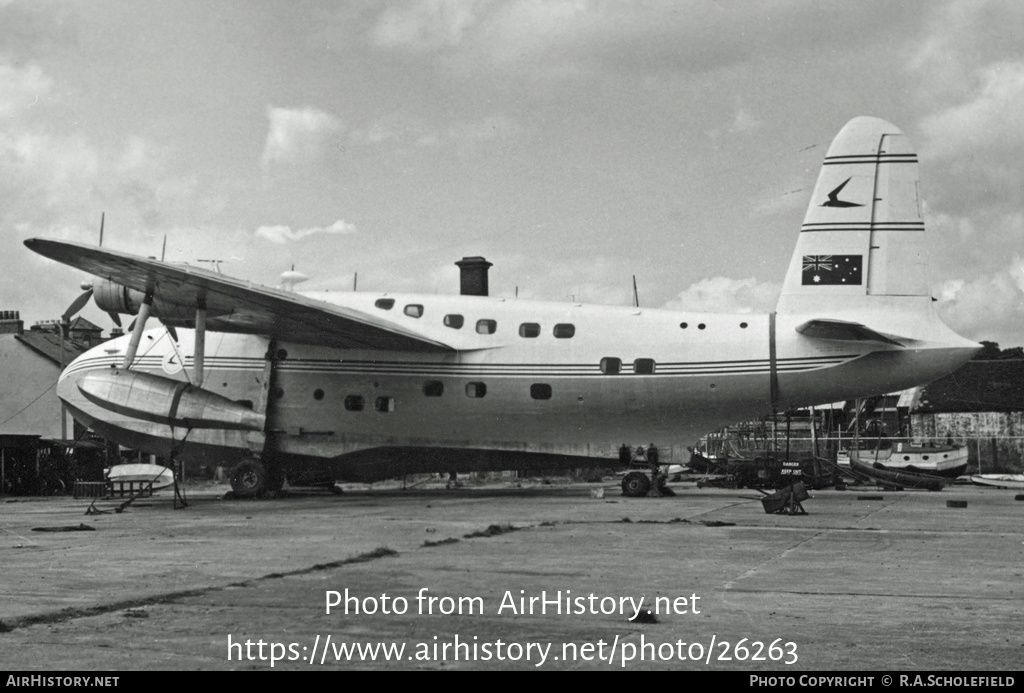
(529,330)
(643,366)
(540,391)
(385,303)
(476,390)
(433,388)
(384,404)
(564,330)
(355,403)
(414,310)
(454,321)
(611,365)
(486,326)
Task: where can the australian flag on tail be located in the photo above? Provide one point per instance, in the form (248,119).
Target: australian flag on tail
(832,270)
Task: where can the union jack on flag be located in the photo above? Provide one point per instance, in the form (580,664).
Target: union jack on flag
(817,263)
(832,270)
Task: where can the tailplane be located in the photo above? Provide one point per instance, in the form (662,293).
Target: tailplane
(863,235)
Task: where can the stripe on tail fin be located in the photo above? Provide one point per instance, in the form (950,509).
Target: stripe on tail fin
(863,234)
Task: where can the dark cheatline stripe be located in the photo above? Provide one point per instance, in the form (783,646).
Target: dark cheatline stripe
(866,226)
(870,159)
(427,369)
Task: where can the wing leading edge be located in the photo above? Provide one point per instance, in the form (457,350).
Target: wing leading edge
(234,305)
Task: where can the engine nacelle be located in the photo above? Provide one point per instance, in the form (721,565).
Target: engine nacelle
(116,298)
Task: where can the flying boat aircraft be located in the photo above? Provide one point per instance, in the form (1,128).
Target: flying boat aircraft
(367,386)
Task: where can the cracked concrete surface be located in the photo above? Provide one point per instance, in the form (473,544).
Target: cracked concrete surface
(903,583)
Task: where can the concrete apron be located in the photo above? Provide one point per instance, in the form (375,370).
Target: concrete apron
(903,583)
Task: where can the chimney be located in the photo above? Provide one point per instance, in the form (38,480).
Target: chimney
(473,280)
(11,322)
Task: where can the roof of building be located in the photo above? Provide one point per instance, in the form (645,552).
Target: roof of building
(979,386)
(81,324)
(48,344)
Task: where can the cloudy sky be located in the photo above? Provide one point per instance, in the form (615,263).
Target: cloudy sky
(573,143)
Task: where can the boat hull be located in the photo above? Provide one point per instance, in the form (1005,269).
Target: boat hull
(946,461)
(1014,481)
(896,478)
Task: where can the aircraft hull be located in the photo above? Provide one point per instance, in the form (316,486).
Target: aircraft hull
(401,426)
(475,381)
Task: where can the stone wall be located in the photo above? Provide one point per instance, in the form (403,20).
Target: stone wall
(994,438)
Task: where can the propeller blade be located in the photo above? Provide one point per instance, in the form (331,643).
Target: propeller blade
(137,329)
(76,306)
(115,318)
(170,330)
(131,327)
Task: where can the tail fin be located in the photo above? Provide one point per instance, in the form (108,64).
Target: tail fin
(863,235)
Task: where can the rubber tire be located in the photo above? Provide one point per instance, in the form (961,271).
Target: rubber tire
(249,479)
(635,485)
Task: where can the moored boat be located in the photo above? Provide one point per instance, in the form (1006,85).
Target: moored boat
(896,478)
(946,461)
(1015,481)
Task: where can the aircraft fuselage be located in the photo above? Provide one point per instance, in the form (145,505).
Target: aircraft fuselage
(530,381)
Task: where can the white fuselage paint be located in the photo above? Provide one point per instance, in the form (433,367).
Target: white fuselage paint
(544,394)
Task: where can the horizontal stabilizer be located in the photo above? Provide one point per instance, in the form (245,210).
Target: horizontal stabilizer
(843,330)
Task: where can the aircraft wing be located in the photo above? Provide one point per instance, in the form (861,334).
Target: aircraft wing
(234,305)
(843,330)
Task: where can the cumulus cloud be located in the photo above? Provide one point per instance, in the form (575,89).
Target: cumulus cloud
(297,135)
(726,295)
(53,180)
(992,118)
(545,39)
(989,307)
(402,131)
(539,39)
(427,24)
(22,88)
(283,234)
(960,38)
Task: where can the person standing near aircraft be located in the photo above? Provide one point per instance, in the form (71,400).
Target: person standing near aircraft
(657,477)
(624,455)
